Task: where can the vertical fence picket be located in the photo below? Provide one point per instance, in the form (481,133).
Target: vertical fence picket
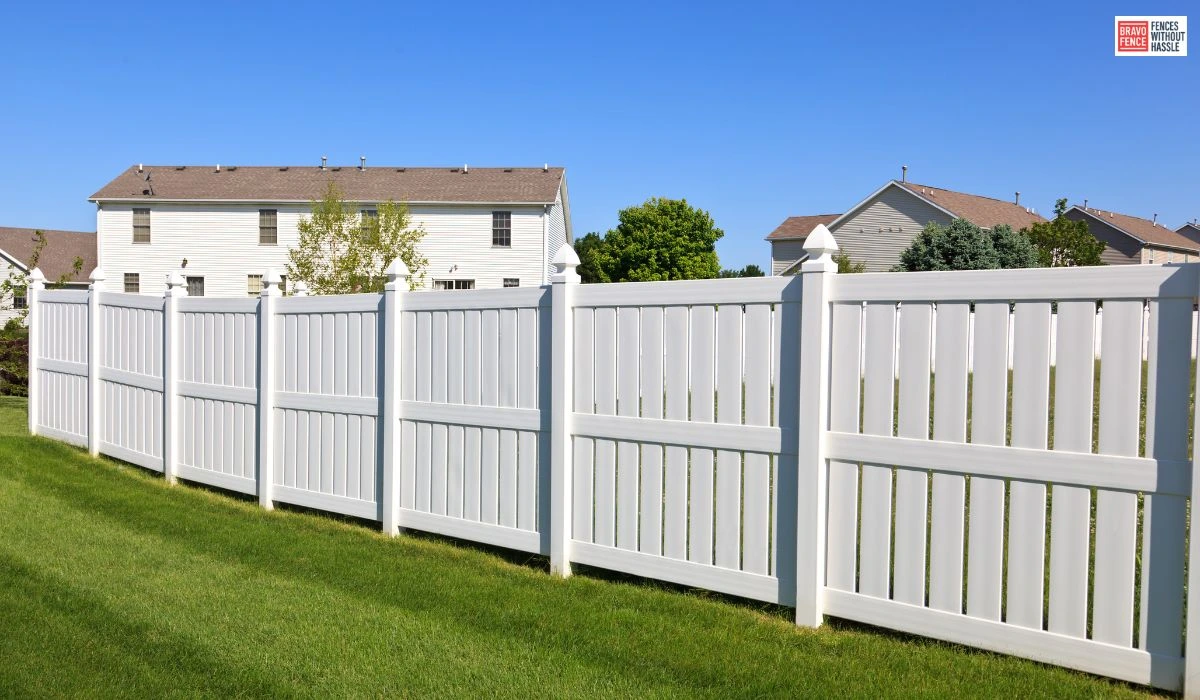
(878,391)
(912,486)
(628,404)
(844,389)
(947,512)
(728,513)
(650,502)
(605,359)
(675,473)
(1070,517)
(583,450)
(756,483)
(1116,511)
(700,495)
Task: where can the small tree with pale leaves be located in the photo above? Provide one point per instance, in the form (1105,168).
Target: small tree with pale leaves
(341,252)
(17,281)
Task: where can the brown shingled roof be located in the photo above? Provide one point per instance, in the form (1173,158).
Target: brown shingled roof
(58,257)
(798,227)
(984,212)
(307,183)
(1142,229)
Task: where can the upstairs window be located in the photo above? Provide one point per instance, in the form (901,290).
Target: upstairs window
(502,229)
(512,282)
(133,283)
(454,284)
(141,225)
(268,226)
(366,216)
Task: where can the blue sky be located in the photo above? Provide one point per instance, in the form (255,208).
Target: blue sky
(753,113)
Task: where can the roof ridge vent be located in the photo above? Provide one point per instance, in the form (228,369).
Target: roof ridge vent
(545,167)
(218,167)
(1154,221)
(466,169)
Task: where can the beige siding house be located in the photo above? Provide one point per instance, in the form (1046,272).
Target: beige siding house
(787,241)
(1132,240)
(876,230)
(221,227)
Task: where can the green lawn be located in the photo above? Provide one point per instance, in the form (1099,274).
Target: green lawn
(114,584)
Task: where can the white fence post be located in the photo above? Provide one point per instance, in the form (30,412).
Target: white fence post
(389,394)
(562,407)
(299,289)
(176,288)
(266,387)
(817,276)
(95,341)
(37,282)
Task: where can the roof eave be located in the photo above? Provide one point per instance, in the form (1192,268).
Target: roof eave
(1110,224)
(890,183)
(160,200)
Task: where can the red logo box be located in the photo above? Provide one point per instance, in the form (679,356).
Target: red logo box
(1133,37)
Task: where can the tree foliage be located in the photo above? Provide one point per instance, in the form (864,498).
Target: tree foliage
(1064,242)
(964,246)
(846,266)
(342,252)
(17,282)
(661,239)
(750,270)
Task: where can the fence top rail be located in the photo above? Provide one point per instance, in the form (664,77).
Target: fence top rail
(131,301)
(1106,282)
(217,305)
(472,299)
(328,304)
(746,290)
(63,296)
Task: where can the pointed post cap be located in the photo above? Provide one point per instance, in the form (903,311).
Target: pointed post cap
(176,285)
(299,289)
(566,257)
(97,275)
(271,281)
(36,277)
(820,242)
(397,270)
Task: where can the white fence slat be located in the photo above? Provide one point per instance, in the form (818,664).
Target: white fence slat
(989,402)
(912,486)
(455,376)
(650,501)
(728,515)
(947,511)
(1164,518)
(700,496)
(628,400)
(437,393)
(844,389)
(582,510)
(527,397)
(489,476)
(605,470)
(1027,501)
(1070,516)
(1116,512)
(675,473)
(878,390)
(508,397)
(756,481)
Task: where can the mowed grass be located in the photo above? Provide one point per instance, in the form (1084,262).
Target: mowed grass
(113,583)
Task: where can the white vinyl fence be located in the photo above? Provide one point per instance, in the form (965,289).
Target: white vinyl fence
(790,440)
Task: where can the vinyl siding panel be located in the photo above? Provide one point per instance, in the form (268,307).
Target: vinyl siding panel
(220,243)
(879,231)
(556,232)
(1119,249)
(784,254)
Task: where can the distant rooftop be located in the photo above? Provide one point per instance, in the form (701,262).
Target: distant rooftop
(1144,230)
(985,212)
(58,257)
(308,182)
(798,227)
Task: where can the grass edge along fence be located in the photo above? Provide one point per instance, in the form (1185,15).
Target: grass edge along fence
(768,438)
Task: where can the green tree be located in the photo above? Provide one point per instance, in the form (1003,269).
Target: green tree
(17,282)
(662,239)
(1013,249)
(750,270)
(1064,242)
(964,246)
(342,252)
(846,266)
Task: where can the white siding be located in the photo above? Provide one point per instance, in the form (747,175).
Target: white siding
(784,254)
(7,312)
(878,232)
(220,243)
(556,232)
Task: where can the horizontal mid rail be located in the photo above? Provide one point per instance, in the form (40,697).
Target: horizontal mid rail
(716,436)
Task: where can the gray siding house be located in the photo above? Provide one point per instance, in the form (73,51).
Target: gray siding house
(1132,240)
(876,230)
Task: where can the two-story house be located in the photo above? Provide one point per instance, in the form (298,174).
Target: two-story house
(58,259)
(1130,240)
(877,229)
(222,226)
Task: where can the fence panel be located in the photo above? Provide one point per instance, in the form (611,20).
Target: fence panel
(677,443)
(62,365)
(218,380)
(473,437)
(327,403)
(1017,450)
(131,379)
